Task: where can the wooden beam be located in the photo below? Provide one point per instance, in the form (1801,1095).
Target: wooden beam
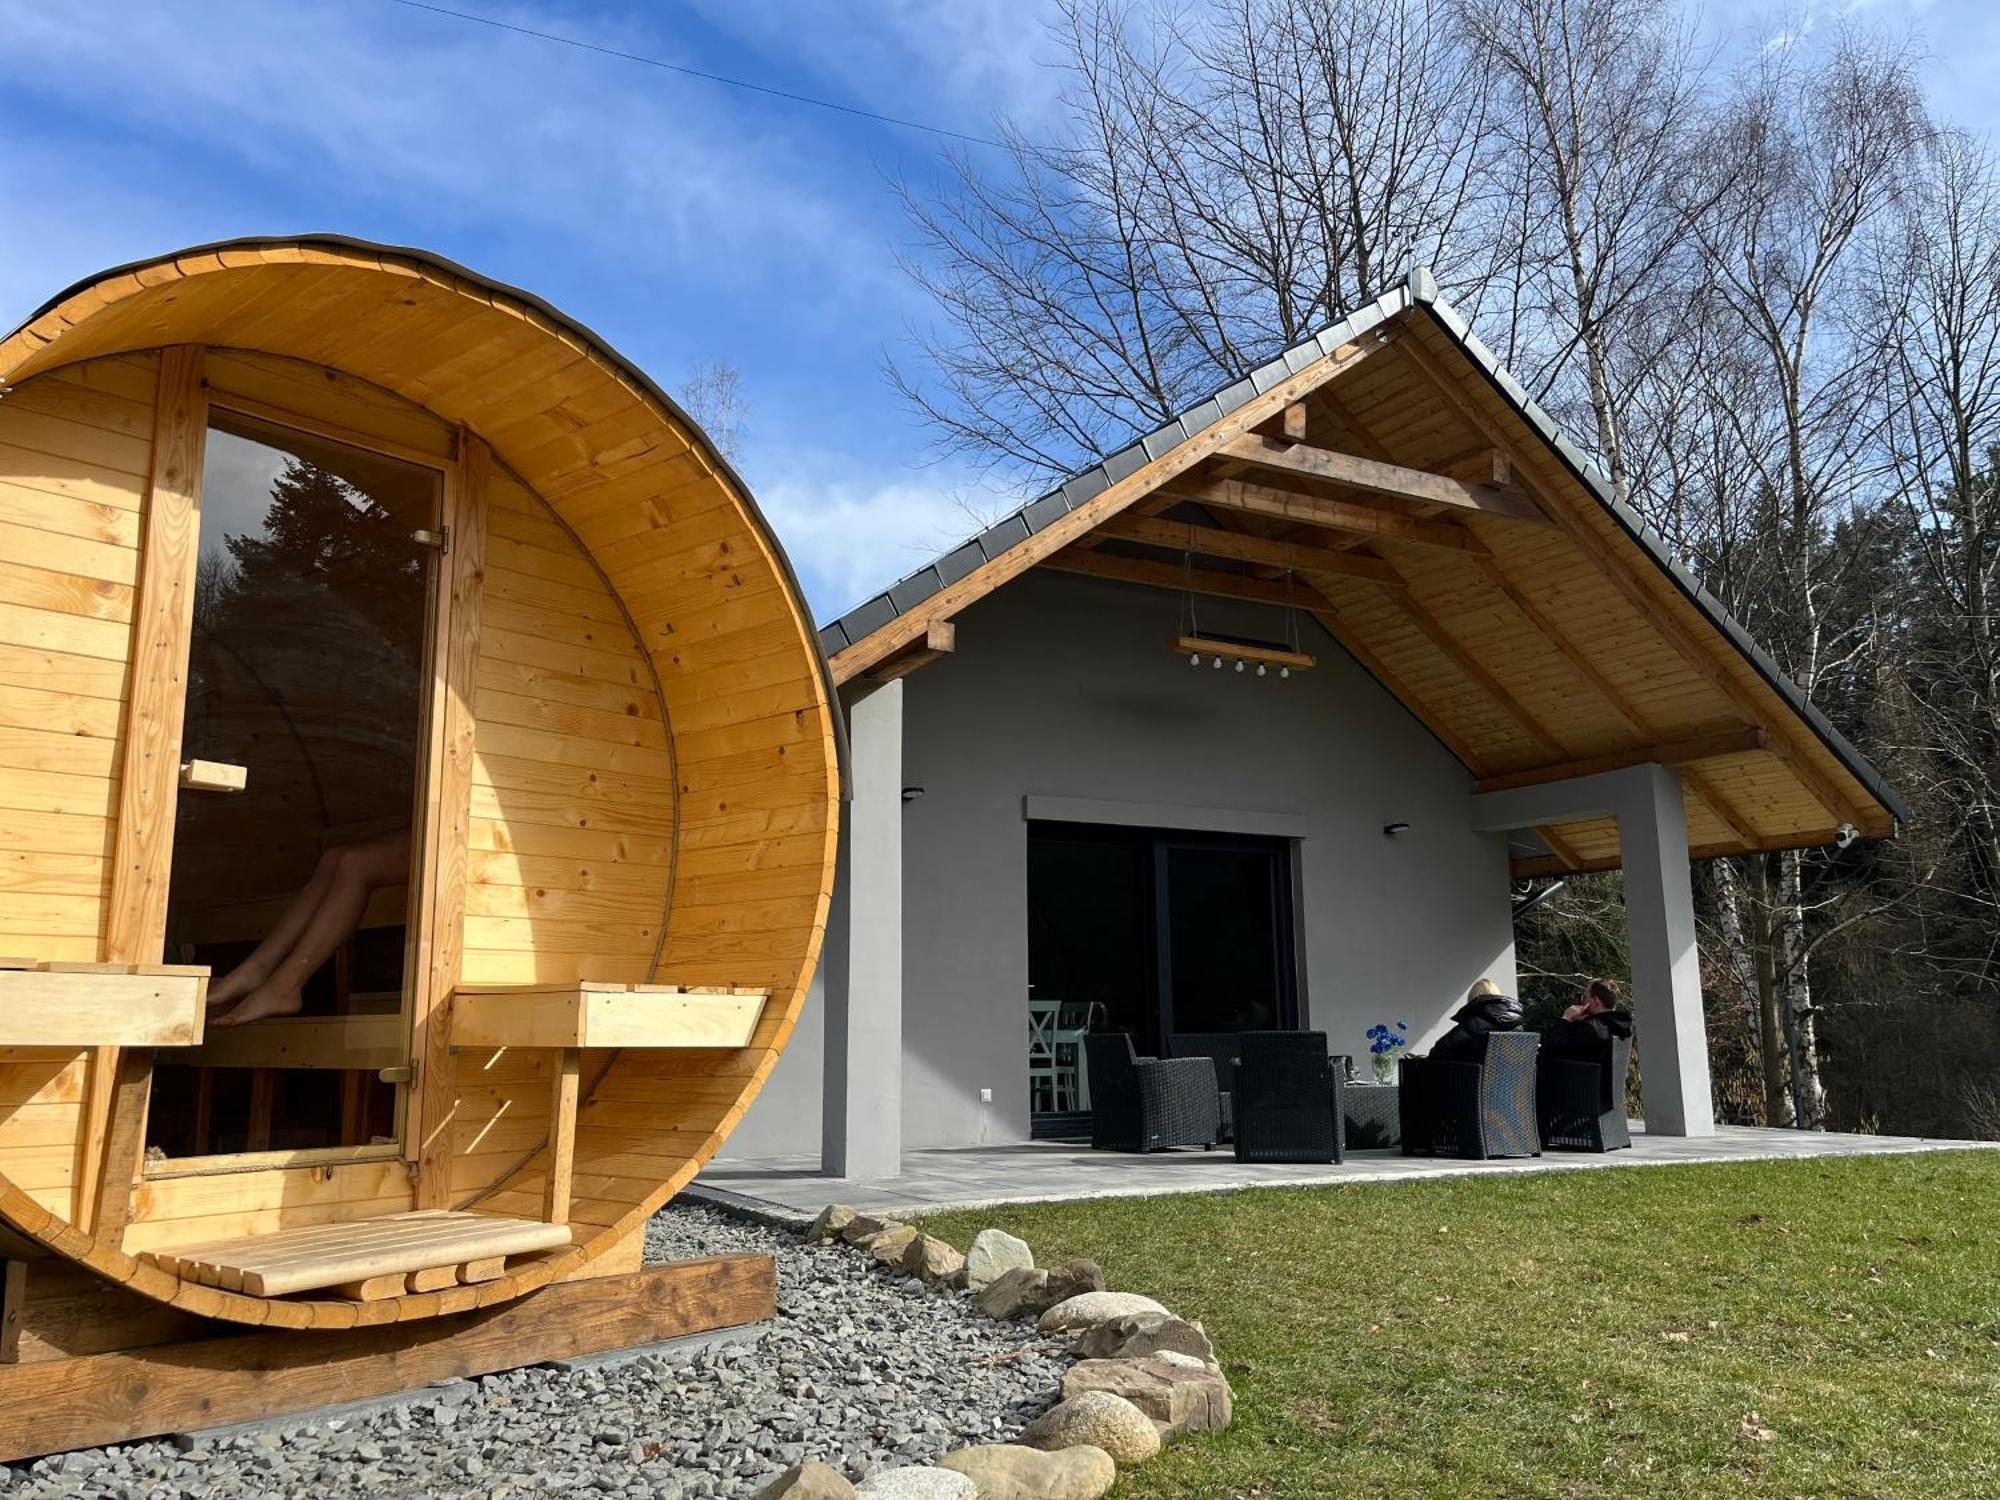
(1742,740)
(1357,473)
(135,926)
(13,1301)
(1616,570)
(1334,515)
(940,639)
(1560,848)
(1087,517)
(1264,656)
(1162,575)
(437,945)
(59,1404)
(562,1136)
(1241,546)
(1295,422)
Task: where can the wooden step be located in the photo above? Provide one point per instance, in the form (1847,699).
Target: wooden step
(363,1258)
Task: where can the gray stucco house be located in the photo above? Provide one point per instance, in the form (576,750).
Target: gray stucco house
(1260,723)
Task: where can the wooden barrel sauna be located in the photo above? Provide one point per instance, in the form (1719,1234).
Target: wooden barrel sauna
(352,603)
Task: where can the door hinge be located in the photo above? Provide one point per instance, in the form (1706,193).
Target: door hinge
(437,541)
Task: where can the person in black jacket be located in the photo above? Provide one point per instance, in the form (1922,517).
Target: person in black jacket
(1485,1010)
(1586,1026)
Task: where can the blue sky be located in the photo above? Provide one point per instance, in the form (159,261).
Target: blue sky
(682,220)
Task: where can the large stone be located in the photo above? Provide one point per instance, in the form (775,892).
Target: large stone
(888,1245)
(1073,1278)
(832,1219)
(991,1255)
(1141,1334)
(861,1226)
(1088,1309)
(1017,1294)
(1100,1420)
(917,1484)
(1008,1471)
(809,1481)
(1172,1388)
(932,1260)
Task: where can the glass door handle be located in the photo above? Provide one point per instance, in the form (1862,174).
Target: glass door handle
(213,776)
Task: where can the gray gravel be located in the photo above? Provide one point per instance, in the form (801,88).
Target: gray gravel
(862,1368)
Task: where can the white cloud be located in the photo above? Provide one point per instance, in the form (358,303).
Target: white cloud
(353,106)
(957,65)
(849,538)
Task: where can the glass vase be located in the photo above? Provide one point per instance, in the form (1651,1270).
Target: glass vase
(1385,1067)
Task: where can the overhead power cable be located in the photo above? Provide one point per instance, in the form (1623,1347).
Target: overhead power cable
(734,83)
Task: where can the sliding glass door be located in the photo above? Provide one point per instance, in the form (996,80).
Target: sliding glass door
(1161,931)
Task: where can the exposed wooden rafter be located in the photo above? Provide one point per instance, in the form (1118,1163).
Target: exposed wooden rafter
(1744,739)
(1319,510)
(1374,477)
(1837,803)
(1241,546)
(1087,517)
(1166,575)
(939,639)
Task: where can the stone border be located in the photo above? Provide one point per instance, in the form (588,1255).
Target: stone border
(1143,1377)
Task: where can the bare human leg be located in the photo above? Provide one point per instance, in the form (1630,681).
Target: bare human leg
(355,871)
(279,941)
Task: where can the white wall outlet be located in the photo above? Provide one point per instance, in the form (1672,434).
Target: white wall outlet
(986,1096)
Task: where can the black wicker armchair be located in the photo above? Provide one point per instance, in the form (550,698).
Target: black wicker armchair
(1149,1103)
(1473,1109)
(1287,1098)
(1582,1100)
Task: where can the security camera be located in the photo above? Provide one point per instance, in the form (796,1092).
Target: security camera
(1845,835)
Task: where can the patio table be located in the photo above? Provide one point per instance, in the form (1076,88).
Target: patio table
(1373,1116)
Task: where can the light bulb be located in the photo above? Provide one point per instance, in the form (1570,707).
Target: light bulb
(1260,669)
(1218,664)
(1239,666)
(1194,658)
(1284,671)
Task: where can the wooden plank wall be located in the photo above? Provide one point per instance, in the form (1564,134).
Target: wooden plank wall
(75,452)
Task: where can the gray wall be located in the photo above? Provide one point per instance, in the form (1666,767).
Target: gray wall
(1063,687)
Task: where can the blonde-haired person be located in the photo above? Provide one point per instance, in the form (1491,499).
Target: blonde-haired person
(1485,1010)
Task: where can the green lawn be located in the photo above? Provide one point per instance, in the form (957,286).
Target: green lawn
(1585,1334)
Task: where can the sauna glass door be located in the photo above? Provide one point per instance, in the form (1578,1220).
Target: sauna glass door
(301,758)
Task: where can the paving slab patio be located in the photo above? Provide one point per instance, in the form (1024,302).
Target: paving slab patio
(790,1188)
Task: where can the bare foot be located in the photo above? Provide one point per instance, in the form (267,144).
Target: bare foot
(262,1003)
(233,986)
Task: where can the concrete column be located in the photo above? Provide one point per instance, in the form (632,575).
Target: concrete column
(1659,909)
(1666,968)
(861,1132)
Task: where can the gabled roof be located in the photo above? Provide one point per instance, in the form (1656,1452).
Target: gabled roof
(1681,623)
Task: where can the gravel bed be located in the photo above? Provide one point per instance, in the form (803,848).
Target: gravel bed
(862,1368)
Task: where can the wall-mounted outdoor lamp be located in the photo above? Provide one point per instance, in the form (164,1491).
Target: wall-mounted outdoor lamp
(1394,830)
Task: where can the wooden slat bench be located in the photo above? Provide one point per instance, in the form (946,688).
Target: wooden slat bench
(366,1259)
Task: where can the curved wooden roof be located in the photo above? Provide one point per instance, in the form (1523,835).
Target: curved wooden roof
(699,578)
(1442,530)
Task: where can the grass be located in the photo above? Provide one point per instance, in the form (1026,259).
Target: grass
(1789,1329)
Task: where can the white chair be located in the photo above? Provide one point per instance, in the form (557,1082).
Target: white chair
(1075,1020)
(1048,1077)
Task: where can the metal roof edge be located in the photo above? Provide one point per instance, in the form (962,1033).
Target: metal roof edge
(864,618)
